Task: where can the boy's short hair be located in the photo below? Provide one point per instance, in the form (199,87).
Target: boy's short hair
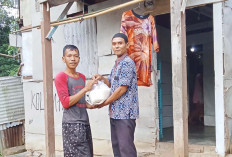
(70,47)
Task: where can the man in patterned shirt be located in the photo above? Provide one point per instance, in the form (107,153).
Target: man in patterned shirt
(123,102)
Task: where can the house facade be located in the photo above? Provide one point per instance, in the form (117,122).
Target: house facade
(93,38)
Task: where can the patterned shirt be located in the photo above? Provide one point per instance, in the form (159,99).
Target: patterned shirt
(124,73)
(141,32)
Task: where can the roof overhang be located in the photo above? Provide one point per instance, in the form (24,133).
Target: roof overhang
(163,6)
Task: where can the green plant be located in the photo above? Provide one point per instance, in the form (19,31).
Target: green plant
(8,66)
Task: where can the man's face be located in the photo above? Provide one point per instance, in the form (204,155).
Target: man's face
(119,46)
(71,58)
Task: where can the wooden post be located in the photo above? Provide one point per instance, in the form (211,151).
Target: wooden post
(48,83)
(219,44)
(179,79)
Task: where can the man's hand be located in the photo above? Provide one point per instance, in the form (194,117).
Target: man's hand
(91,106)
(101,78)
(102,104)
(90,84)
(97,77)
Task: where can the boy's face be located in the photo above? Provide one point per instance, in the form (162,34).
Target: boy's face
(71,58)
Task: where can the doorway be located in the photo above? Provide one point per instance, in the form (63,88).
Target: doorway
(200,76)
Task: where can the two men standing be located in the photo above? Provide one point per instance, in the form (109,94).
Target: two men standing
(123,102)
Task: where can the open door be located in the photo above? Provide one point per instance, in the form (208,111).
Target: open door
(200,76)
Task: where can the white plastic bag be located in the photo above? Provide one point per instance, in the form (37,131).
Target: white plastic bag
(98,94)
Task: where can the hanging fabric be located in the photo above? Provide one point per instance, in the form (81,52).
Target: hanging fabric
(141,32)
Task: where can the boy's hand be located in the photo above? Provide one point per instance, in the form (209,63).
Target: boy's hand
(90,84)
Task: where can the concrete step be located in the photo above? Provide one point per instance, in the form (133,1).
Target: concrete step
(203,155)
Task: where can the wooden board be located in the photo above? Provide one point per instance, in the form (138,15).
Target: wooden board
(48,84)
(179,79)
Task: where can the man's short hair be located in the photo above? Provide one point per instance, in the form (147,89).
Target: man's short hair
(121,35)
(70,47)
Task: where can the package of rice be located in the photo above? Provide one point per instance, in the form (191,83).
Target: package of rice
(98,94)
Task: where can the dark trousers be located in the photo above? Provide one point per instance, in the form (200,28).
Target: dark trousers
(122,137)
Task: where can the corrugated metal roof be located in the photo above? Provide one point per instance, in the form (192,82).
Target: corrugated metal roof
(10,125)
(11,100)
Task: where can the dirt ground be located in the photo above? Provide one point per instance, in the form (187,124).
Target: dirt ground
(161,150)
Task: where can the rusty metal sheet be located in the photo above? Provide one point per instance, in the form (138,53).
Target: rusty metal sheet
(12,137)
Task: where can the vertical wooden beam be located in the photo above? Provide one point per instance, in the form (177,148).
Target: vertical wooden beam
(179,79)
(48,83)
